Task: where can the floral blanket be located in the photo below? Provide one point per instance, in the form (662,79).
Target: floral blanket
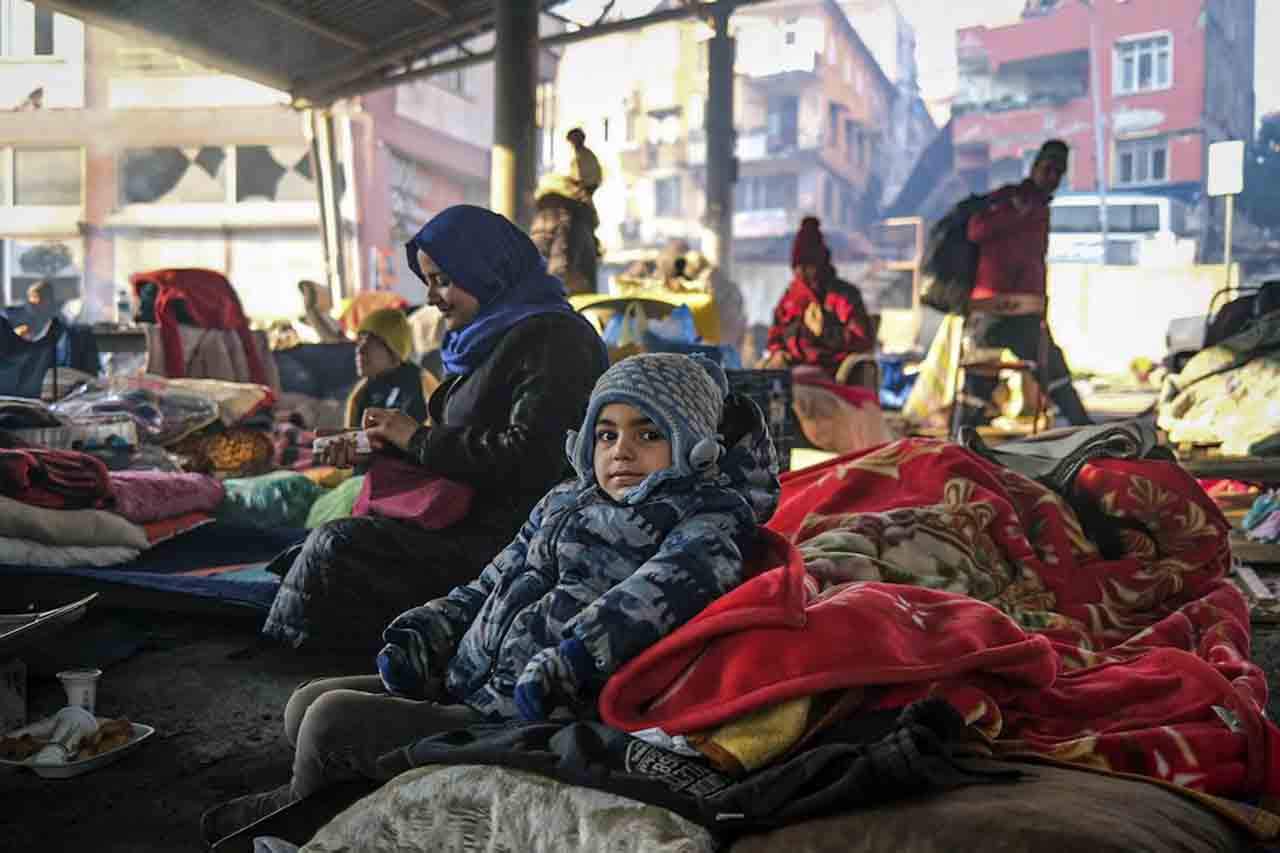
(929,570)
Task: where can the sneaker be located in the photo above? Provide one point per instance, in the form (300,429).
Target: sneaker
(234,815)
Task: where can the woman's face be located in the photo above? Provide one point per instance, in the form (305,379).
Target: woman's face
(809,273)
(458,307)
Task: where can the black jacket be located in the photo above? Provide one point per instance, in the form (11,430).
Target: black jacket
(501,428)
(870,758)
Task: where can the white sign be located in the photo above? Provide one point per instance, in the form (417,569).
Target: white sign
(1226,167)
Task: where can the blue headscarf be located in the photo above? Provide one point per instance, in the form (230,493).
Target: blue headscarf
(493,260)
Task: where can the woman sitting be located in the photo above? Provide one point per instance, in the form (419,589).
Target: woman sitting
(388,380)
(820,321)
(520,365)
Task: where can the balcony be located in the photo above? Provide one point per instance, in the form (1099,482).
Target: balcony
(659,155)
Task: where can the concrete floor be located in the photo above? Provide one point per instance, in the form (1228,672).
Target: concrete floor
(215,700)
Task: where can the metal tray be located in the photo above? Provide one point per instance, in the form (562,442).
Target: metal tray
(75,768)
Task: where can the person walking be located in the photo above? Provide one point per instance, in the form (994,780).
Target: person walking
(1007,306)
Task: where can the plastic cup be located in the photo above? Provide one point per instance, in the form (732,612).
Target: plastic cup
(81,686)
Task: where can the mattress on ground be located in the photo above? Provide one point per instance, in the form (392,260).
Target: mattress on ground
(220,561)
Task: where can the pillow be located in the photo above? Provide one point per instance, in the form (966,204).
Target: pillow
(335,503)
(278,499)
(68,526)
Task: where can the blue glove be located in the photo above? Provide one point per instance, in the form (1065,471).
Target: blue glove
(552,678)
(404,664)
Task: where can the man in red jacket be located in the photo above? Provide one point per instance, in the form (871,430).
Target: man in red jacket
(1007,306)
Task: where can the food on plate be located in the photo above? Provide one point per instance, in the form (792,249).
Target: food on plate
(110,735)
(20,748)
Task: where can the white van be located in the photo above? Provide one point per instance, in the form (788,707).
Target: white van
(1142,230)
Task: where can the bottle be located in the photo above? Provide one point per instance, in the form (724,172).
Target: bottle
(124,307)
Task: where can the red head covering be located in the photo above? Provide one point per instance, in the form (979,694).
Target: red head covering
(809,247)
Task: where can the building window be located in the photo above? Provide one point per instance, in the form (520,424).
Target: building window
(765,192)
(46,176)
(1141,161)
(1143,64)
(274,173)
(783,122)
(25,30)
(666,196)
(833,123)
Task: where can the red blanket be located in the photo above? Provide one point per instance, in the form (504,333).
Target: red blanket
(928,570)
(211,302)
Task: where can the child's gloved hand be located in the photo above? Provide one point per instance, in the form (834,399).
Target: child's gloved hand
(404,664)
(553,677)
(399,674)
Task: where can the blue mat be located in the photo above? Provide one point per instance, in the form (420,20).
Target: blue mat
(230,561)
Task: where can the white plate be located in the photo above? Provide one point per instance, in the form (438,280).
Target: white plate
(84,765)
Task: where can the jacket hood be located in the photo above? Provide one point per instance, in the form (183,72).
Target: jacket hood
(747,463)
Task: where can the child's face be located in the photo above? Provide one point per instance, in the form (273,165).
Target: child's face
(629,447)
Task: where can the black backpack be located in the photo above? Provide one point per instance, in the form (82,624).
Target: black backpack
(950,262)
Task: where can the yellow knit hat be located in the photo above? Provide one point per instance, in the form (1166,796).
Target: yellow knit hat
(391,325)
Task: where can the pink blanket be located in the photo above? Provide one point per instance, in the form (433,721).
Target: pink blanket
(143,496)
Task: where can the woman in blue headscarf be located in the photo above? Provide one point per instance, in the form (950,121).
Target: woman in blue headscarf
(520,365)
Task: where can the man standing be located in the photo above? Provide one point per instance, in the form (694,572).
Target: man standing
(564,218)
(1007,306)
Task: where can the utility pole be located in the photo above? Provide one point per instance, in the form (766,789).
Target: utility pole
(722,164)
(1099,125)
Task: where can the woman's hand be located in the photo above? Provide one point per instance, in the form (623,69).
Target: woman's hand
(336,449)
(389,427)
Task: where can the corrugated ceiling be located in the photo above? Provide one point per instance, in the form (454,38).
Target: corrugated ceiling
(304,47)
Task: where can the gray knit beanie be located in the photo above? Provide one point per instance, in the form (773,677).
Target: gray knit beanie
(683,395)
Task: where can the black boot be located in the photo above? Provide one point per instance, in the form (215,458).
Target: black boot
(234,815)
(1068,403)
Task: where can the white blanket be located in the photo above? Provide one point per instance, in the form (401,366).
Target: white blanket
(469,809)
(25,552)
(68,526)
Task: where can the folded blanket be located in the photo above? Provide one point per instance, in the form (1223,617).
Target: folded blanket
(25,552)
(78,527)
(143,496)
(59,479)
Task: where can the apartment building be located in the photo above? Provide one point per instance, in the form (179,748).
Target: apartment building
(812,114)
(1173,77)
(117,157)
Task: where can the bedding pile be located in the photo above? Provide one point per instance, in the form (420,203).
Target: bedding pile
(931,571)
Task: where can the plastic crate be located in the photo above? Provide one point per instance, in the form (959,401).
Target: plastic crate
(771,389)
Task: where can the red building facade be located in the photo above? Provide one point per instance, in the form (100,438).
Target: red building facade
(1174,75)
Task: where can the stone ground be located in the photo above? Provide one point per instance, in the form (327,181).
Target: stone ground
(215,699)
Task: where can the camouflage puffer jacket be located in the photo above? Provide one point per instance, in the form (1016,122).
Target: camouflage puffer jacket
(618,576)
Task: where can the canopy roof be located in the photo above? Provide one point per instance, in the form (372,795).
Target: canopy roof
(309,48)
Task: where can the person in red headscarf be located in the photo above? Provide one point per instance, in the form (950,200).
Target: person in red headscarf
(821,320)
